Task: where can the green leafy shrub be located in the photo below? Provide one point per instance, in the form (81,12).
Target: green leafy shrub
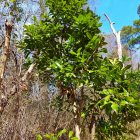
(53,136)
(67,46)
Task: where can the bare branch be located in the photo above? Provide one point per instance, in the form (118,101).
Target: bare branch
(108,18)
(117,35)
(111,25)
(5,98)
(29,71)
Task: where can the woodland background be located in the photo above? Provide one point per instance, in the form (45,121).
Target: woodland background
(62,78)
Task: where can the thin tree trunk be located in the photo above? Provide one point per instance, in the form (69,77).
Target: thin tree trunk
(77,121)
(4,58)
(118,38)
(93,132)
(77,131)
(6,49)
(92,127)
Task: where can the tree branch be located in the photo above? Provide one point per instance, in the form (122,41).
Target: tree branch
(4,99)
(117,36)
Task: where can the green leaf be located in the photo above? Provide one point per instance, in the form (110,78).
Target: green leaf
(79,51)
(72,52)
(123,103)
(104,50)
(90,71)
(47,136)
(39,137)
(70,134)
(12,0)
(89,35)
(126,93)
(126,68)
(61,132)
(58,64)
(107,98)
(115,107)
(74,138)
(83,115)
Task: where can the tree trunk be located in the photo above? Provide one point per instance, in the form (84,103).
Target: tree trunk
(4,58)
(92,127)
(77,121)
(77,131)
(118,38)
(6,49)
(93,132)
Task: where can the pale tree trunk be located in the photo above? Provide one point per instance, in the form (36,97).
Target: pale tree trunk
(93,132)
(118,38)
(4,59)
(6,49)
(78,105)
(77,121)
(77,131)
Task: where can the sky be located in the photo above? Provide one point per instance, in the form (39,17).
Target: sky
(122,12)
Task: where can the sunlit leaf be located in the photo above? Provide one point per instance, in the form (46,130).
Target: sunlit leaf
(115,107)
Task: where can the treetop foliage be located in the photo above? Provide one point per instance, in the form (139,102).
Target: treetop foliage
(68,38)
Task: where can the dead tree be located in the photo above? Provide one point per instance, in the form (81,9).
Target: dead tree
(22,85)
(117,36)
